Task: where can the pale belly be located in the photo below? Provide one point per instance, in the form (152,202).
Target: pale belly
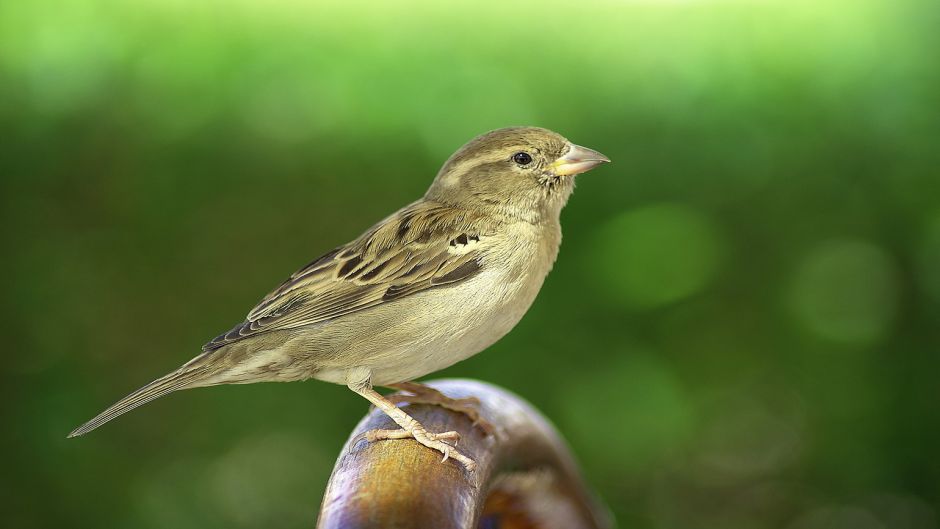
(434,329)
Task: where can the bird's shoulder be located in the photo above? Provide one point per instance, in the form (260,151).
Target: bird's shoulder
(423,245)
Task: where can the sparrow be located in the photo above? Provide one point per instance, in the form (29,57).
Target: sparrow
(434,283)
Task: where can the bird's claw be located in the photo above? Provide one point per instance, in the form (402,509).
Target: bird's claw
(469,406)
(435,441)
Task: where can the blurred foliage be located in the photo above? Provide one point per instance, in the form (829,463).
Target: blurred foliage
(741,330)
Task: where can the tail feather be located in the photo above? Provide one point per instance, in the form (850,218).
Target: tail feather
(179,379)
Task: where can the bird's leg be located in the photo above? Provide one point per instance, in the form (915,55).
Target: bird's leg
(410,428)
(422,394)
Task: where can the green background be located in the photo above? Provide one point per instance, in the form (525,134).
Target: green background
(741,330)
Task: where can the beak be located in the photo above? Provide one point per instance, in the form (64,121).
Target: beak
(577,160)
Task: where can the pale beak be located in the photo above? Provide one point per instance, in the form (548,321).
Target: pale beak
(577,160)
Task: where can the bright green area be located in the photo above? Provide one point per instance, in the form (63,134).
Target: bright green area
(742,330)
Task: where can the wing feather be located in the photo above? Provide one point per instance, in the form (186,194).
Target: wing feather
(425,245)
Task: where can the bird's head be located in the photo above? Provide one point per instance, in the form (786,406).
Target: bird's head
(524,172)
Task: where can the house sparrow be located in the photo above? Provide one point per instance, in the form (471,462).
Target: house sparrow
(436,282)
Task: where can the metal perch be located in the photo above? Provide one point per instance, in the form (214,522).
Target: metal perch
(525,476)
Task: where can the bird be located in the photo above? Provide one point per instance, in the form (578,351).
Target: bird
(434,283)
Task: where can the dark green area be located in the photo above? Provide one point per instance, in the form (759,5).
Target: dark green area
(742,329)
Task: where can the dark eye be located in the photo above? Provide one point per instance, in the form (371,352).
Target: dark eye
(522,158)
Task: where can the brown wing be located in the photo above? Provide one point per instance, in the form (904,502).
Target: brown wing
(425,245)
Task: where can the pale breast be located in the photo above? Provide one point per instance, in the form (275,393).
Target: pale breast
(431,330)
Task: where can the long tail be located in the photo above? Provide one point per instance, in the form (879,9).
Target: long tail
(184,377)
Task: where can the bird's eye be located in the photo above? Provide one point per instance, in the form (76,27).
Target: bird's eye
(522,158)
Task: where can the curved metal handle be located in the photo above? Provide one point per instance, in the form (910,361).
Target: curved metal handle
(525,475)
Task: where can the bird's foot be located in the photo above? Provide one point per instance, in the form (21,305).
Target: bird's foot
(421,394)
(434,441)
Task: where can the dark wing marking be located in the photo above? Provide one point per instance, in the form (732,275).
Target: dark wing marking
(411,251)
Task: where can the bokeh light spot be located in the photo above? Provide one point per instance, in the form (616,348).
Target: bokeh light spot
(635,408)
(264,480)
(172,495)
(902,511)
(744,439)
(846,291)
(837,518)
(656,255)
